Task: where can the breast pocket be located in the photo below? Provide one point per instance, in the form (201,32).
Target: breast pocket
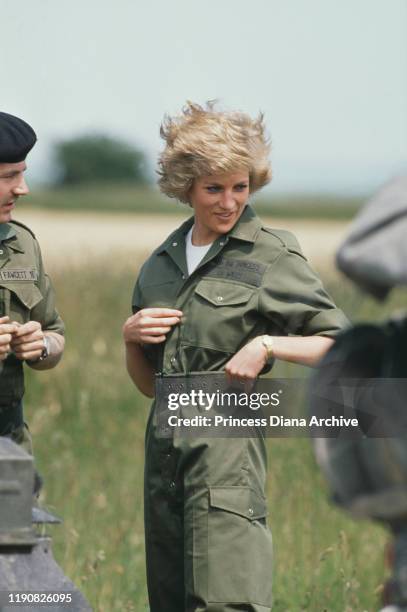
(20,299)
(220,315)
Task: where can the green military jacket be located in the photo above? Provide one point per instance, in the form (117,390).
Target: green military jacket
(252,281)
(25,294)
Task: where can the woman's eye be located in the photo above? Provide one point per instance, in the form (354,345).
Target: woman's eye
(212,189)
(241,187)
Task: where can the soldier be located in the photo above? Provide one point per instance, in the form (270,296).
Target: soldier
(222,293)
(31,329)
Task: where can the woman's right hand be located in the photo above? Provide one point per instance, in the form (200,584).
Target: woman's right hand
(150,325)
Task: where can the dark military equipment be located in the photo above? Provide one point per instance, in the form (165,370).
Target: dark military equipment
(16,485)
(26,561)
(374,254)
(368,474)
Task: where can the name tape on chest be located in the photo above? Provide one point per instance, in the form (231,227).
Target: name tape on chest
(19,275)
(249,272)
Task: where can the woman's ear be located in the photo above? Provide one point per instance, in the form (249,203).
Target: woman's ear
(188,195)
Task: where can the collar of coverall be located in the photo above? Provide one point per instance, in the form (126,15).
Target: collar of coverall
(247,229)
(8,232)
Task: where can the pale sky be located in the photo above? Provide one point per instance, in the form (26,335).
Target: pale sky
(330,77)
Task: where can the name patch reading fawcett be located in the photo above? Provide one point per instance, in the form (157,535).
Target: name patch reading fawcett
(249,272)
(19,275)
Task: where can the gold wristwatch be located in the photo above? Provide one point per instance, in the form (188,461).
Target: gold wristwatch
(267,342)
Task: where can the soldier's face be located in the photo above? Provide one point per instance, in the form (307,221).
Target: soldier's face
(12,186)
(218,201)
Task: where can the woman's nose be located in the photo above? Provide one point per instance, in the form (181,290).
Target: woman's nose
(228,200)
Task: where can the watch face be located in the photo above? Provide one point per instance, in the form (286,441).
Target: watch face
(45,350)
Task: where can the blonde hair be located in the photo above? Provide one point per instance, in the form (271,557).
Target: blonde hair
(202,141)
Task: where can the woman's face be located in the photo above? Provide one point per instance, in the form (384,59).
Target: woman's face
(218,201)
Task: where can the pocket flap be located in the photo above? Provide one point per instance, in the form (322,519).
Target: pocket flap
(27,293)
(223,294)
(239,500)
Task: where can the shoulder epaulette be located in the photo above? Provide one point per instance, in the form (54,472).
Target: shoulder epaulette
(286,238)
(13,221)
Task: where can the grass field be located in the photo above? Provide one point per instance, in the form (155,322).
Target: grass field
(88,422)
(124,198)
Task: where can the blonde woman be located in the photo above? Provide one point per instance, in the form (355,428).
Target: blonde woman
(223,293)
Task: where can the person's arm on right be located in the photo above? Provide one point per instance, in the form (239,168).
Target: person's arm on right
(147,326)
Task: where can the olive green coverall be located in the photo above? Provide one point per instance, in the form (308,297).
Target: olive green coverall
(208,546)
(26,294)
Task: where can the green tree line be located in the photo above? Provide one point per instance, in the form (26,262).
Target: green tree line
(92,158)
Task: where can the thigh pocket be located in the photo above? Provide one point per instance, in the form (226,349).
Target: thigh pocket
(239,547)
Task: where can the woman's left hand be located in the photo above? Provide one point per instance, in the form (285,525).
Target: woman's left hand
(247,363)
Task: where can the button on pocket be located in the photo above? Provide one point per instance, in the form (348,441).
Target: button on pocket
(239,500)
(223,294)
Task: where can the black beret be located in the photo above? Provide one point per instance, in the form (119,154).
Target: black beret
(17,138)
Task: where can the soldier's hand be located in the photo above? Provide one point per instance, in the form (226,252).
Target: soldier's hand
(7,330)
(28,341)
(247,363)
(150,325)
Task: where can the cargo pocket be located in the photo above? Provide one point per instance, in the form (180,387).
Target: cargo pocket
(239,547)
